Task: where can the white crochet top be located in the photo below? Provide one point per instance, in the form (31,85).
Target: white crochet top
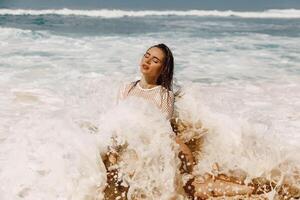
(157,95)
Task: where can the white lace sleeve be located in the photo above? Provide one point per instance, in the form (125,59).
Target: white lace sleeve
(168,104)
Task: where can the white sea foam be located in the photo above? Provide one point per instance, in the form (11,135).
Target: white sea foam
(252,140)
(45,155)
(148,163)
(105,13)
(58,111)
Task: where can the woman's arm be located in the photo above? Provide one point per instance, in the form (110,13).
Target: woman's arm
(186,151)
(167,105)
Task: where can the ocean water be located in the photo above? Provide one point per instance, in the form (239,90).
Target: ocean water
(239,73)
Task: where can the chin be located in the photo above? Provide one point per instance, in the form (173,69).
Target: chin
(144,72)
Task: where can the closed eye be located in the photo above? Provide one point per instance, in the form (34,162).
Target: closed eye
(146,55)
(155,60)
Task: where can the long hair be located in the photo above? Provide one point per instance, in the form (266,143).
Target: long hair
(165,78)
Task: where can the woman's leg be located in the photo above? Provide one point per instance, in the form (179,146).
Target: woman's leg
(205,187)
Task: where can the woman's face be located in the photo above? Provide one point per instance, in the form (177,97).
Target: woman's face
(152,63)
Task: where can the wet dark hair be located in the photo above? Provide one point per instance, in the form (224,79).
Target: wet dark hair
(165,78)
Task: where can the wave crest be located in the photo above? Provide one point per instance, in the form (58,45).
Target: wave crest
(105,13)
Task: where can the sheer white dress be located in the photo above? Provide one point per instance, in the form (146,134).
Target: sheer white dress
(158,96)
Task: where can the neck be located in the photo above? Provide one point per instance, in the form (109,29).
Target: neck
(147,83)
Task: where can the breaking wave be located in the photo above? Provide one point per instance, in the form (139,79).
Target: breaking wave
(106,13)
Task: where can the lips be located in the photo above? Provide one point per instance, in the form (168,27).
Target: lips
(145,67)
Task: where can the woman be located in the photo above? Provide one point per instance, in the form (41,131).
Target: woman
(155,86)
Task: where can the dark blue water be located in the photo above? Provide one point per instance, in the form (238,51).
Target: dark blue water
(257,5)
(191,26)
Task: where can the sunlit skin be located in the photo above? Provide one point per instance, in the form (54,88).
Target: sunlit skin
(151,66)
(206,187)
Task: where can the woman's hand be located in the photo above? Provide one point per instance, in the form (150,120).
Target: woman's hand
(186,151)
